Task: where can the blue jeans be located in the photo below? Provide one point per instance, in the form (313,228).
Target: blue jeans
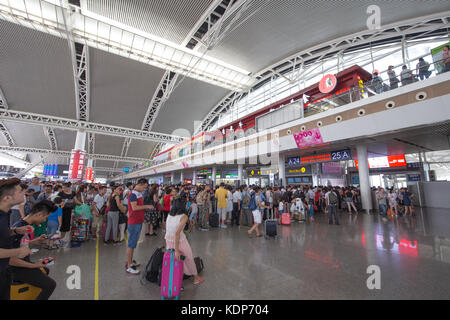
(134,231)
(332,208)
(383,208)
(311,210)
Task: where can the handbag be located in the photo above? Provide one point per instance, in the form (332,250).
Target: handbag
(103,211)
(83,210)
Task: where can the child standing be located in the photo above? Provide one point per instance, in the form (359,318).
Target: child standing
(280,211)
(54,222)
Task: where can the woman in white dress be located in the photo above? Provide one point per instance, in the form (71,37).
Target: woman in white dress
(393,202)
(176,239)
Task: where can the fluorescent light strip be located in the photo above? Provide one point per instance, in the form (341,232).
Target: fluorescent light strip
(134,44)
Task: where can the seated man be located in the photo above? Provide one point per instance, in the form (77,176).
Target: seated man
(24,270)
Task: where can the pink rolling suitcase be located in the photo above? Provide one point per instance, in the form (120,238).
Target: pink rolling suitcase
(286,219)
(172,275)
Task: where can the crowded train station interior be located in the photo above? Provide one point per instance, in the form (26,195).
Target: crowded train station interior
(224,150)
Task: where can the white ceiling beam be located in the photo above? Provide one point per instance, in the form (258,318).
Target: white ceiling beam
(41,160)
(111,36)
(3,102)
(420,24)
(66,154)
(168,81)
(51,136)
(4,130)
(70,124)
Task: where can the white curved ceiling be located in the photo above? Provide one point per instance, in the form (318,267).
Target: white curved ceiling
(36,71)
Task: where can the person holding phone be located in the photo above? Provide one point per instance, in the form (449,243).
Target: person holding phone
(24,270)
(11,194)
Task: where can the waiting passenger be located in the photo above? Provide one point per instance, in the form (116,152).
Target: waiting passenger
(445,62)
(24,270)
(176,239)
(377,82)
(406,76)
(393,80)
(257,213)
(422,69)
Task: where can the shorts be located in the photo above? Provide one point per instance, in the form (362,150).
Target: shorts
(134,231)
(257,216)
(52,227)
(222,213)
(193,216)
(98,222)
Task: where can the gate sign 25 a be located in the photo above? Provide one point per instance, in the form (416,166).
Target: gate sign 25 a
(341,155)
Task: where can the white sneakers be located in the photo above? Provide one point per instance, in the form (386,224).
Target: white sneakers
(132,270)
(223,226)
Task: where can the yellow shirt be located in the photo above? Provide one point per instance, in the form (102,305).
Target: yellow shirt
(221,195)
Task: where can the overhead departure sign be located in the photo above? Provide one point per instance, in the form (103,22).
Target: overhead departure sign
(294,161)
(340,155)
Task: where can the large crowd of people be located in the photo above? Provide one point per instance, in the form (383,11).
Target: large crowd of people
(47,215)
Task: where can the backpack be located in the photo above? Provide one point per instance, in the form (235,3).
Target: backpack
(246,201)
(154,266)
(333,198)
(252,204)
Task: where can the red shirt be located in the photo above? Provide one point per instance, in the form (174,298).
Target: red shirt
(135,217)
(167,198)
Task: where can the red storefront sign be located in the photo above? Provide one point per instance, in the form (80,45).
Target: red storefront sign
(386,162)
(77,162)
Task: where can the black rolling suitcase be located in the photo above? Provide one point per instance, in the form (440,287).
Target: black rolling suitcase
(270,227)
(214,219)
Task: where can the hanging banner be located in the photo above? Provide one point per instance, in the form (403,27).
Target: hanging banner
(77,161)
(88,175)
(308,138)
(185,165)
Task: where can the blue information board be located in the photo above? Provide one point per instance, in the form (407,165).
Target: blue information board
(50,170)
(341,155)
(294,161)
(414,177)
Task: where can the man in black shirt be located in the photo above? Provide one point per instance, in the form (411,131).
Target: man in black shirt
(11,194)
(24,270)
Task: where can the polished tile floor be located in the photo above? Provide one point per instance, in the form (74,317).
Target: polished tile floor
(307,261)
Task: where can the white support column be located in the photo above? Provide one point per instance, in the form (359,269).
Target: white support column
(181,177)
(90,163)
(172,178)
(194,177)
(241,174)
(80,142)
(282,170)
(364,181)
(214,172)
